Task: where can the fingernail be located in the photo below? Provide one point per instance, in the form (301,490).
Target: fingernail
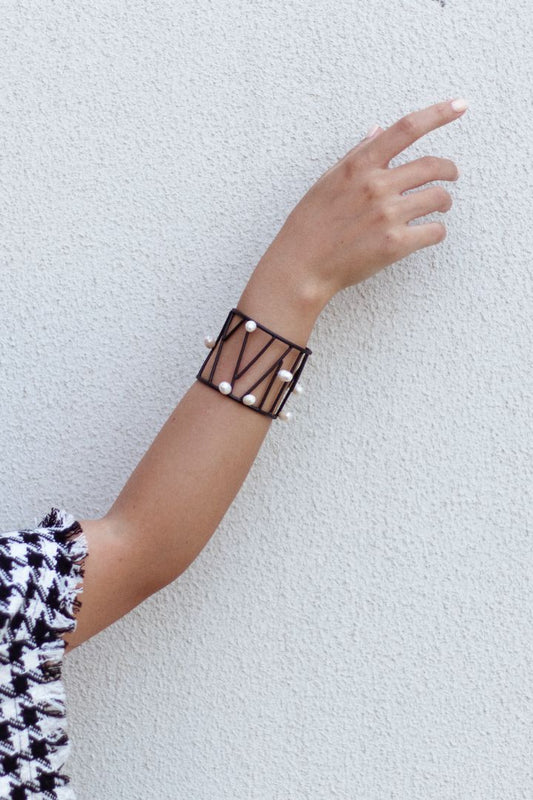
(372,131)
(459,104)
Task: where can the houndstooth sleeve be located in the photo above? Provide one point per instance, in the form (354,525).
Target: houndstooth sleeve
(41,574)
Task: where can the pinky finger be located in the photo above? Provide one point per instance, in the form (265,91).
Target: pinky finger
(425,234)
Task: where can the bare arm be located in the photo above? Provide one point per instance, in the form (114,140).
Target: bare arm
(179,492)
(351,223)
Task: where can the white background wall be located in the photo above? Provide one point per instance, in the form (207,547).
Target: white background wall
(360,626)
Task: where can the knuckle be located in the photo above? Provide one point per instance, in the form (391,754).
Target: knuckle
(392,241)
(367,187)
(379,185)
(374,186)
(348,168)
(407,125)
(351,165)
(385,213)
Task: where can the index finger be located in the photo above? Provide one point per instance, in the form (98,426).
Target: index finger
(411,127)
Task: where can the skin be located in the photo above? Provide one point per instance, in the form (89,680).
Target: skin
(353,222)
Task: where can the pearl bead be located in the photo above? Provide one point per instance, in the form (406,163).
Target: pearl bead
(250,325)
(249,399)
(224,387)
(285,375)
(286,416)
(298,389)
(209,341)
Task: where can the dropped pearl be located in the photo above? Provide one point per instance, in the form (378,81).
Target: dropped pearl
(248,399)
(298,389)
(224,387)
(286,416)
(250,325)
(209,341)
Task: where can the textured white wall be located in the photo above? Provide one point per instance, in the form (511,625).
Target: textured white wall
(360,626)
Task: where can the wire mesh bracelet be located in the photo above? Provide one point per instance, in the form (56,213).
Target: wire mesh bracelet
(287,367)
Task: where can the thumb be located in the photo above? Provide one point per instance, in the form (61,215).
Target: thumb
(372,133)
(374,130)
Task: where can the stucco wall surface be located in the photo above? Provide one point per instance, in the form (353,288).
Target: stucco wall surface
(360,625)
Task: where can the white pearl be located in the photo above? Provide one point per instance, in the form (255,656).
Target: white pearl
(209,341)
(286,416)
(298,389)
(250,325)
(224,387)
(249,399)
(285,375)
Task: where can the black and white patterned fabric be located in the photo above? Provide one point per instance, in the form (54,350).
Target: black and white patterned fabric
(41,574)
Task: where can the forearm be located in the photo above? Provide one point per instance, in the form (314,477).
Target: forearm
(181,489)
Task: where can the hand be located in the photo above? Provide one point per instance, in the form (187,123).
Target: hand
(355,219)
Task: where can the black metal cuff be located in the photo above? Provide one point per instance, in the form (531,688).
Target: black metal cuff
(286,368)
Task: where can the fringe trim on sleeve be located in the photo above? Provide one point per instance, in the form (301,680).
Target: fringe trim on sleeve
(62,533)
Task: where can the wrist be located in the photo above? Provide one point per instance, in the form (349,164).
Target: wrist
(283,300)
